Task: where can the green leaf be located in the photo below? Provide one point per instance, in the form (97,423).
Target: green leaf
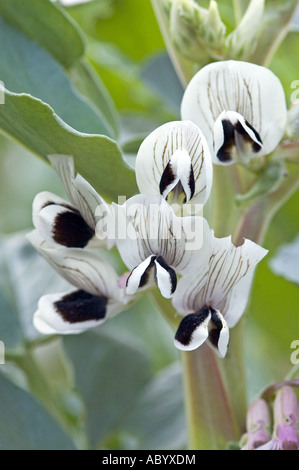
(143,323)
(160,76)
(47,25)
(110,372)
(25,425)
(140,18)
(90,85)
(158,417)
(27,68)
(98,159)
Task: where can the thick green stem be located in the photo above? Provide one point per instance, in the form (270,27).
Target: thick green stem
(212,423)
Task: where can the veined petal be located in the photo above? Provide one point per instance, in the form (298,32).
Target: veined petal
(70,313)
(82,195)
(235,138)
(175,158)
(228,265)
(193,330)
(252,91)
(149,227)
(59,222)
(223,282)
(82,268)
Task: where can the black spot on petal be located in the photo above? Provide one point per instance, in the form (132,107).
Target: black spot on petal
(189,324)
(224,154)
(71,230)
(191,182)
(80,306)
(215,329)
(167,178)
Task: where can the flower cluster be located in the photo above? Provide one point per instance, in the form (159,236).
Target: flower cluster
(232,112)
(286,418)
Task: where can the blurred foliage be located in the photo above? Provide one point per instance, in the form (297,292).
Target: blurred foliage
(133,355)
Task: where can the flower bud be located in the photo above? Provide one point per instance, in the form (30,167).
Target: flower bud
(197,33)
(258,426)
(286,415)
(242,42)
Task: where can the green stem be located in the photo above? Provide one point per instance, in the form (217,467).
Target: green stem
(210,411)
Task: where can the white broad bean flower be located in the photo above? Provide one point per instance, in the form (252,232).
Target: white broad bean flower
(240,107)
(156,245)
(175,161)
(215,298)
(70,224)
(97,295)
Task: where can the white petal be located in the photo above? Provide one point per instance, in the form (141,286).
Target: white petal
(166,278)
(235,279)
(82,268)
(193,331)
(82,195)
(49,320)
(229,264)
(248,89)
(65,168)
(218,334)
(171,144)
(45,199)
(140,276)
(236,301)
(148,226)
(60,223)
(223,282)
